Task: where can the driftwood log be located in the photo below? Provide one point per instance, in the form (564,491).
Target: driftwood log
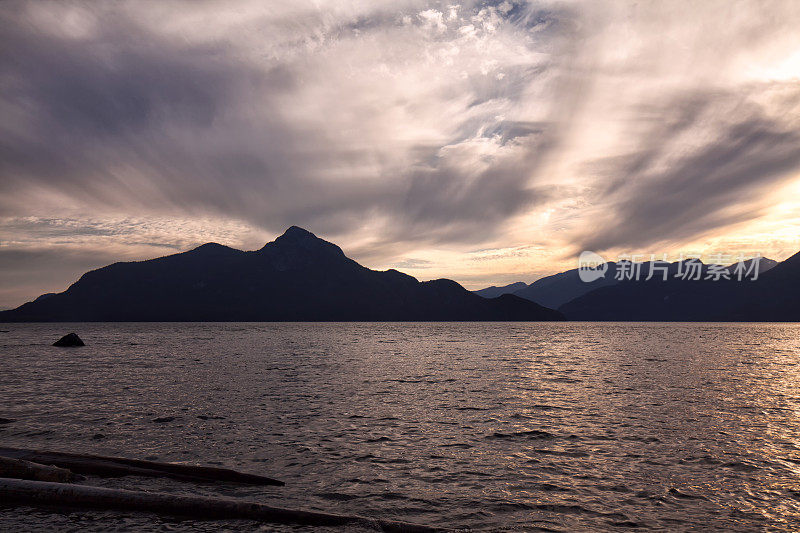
(102,466)
(42,493)
(21,469)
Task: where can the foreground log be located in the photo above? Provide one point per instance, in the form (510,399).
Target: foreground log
(17,468)
(99,465)
(42,493)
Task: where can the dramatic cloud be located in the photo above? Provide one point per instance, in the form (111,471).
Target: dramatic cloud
(703,167)
(416,134)
(398,115)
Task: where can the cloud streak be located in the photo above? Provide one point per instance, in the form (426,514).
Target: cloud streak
(683,182)
(129,117)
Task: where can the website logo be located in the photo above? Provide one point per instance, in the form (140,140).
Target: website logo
(591,267)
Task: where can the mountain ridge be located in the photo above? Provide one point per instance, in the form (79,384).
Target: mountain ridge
(560,289)
(296,277)
(692,300)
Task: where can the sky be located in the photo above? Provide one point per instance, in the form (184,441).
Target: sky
(485,142)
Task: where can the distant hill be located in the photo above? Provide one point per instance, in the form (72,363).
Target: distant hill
(494,292)
(608,298)
(775,297)
(558,289)
(764,264)
(297,277)
(552,291)
(770,297)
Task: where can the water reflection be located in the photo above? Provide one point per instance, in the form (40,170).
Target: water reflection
(560,426)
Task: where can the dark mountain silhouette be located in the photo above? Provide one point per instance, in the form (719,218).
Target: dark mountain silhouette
(558,289)
(764,265)
(775,297)
(688,300)
(297,277)
(552,291)
(494,292)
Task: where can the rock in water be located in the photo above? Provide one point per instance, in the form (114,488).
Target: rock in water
(69,340)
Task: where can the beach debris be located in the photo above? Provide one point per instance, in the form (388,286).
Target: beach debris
(69,340)
(21,469)
(119,466)
(198,507)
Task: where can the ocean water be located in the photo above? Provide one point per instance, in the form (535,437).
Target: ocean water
(491,426)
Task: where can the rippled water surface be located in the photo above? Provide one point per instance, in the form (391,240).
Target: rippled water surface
(564,426)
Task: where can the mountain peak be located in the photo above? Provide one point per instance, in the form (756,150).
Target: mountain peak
(296,232)
(212,249)
(298,240)
(209,246)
